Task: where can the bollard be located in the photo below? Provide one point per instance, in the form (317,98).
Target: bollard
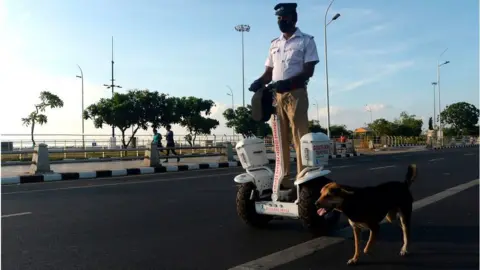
(229,151)
(40,161)
(152,158)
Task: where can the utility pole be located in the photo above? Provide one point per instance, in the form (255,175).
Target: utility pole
(112,86)
(83,109)
(243,28)
(335,17)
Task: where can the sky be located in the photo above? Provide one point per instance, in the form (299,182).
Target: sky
(380,53)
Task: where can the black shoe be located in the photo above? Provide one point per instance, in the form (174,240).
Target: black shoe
(165,161)
(292,194)
(178,159)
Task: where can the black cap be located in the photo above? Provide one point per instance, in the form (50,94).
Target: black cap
(284,9)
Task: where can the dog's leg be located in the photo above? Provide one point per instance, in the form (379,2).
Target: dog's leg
(356,238)
(405,218)
(391,216)
(373,236)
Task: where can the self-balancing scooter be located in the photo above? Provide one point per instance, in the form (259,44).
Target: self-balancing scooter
(259,197)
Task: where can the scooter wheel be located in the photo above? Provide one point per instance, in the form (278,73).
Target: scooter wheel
(309,193)
(246,207)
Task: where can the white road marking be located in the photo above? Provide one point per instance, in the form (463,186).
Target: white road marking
(344,166)
(17,214)
(384,167)
(304,249)
(436,159)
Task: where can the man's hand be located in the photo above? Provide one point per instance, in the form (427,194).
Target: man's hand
(283,86)
(256,85)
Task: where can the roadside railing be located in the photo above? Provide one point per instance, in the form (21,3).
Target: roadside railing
(41,155)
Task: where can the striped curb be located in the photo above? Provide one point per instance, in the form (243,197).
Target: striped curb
(406,145)
(454,146)
(52,177)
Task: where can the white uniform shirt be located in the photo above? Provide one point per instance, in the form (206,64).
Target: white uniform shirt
(287,57)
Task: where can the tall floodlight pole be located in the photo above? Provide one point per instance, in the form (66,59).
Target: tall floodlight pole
(434,105)
(438,84)
(336,16)
(243,28)
(318,115)
(233,106)
(369,109)
(83,109)
(112,86)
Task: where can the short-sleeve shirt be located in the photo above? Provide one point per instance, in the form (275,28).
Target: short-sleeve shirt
(169,137)
(287,57)
(157,138)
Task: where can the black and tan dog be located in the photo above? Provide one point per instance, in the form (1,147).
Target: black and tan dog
(366,207)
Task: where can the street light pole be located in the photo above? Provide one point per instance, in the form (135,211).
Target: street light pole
(112,86)
(438,84)
(318,115)
(243,28)
(369,110)
(83,109)
(434,105)
(326,62)
(233,106)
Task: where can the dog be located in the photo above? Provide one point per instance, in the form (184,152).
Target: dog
(366,207)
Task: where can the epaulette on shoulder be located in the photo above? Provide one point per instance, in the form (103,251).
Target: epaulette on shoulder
(274,40)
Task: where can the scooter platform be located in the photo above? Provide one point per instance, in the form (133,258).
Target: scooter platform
(286,209)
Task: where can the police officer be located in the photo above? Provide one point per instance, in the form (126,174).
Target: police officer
(290,63)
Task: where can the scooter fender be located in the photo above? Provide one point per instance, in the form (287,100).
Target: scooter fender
(244,178)
(312,175)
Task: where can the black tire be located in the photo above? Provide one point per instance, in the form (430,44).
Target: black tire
(309,193)
(246,207)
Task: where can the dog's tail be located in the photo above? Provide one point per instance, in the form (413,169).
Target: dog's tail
(411,174)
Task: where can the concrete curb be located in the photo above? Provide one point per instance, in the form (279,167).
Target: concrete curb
(454,146)
(52,177)
(406,145)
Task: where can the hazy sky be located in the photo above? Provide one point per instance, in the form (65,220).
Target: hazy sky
(381,52)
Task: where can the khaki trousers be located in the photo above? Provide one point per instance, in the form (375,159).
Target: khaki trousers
(292,111)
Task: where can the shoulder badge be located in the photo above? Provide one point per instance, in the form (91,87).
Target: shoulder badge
(274,40)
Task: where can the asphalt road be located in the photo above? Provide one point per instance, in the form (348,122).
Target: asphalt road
(187,220)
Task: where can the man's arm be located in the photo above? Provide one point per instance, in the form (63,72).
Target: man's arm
(267,75)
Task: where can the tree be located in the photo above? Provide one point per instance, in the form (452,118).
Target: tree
(407,125)
(314,126)
(338,130)
(430,123)
(382,127)
(48,100)
(191,110)
(462,118)
(242,122)
(134,109)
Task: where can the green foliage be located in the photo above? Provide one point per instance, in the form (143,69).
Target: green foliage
(135,109)
(382,127)
(314,126)
(407,125)
(190,110)
(47,100)
(242,122)
(338,130)
(462,117)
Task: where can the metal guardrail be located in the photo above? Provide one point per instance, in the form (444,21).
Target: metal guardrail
(66,150)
